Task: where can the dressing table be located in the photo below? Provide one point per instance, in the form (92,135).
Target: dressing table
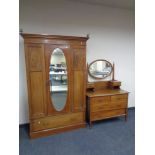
(105,99)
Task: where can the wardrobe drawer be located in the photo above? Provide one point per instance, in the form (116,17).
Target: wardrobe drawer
(106,114)
(119,98)
(57,121)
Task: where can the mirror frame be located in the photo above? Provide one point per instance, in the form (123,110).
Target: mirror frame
(96,61)
(65,108)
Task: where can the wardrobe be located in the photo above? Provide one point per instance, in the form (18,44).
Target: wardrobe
(56,82)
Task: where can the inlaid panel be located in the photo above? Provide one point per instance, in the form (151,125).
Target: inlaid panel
(79,59)
(35,53)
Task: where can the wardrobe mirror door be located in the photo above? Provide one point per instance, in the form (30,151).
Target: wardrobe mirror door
(58,79)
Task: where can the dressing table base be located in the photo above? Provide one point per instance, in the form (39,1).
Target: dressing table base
(106,104)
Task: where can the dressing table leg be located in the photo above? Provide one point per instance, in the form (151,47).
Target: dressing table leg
(126,117)
(126,111)
(90,125)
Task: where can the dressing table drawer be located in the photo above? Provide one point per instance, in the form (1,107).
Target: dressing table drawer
(119,98)
(100,100)
(107,114)
(107,106)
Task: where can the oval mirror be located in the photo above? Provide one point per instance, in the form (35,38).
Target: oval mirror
(58,79)
(100,69)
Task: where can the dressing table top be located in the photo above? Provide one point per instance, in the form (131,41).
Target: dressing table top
(106,92)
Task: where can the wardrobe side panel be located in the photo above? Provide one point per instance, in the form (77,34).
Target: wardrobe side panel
(79,98)
(79,67)
(37,98)
(34,54)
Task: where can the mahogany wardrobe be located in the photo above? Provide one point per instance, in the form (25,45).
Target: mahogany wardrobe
(56,80)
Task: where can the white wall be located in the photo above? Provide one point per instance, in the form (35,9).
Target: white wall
(111,36)
(23,97)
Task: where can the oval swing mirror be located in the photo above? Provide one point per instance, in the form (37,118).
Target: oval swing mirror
(100,69)
(58,79)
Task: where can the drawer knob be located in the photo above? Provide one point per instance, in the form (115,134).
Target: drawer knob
(39,122)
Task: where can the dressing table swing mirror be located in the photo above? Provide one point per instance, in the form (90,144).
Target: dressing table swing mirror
(105,98)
